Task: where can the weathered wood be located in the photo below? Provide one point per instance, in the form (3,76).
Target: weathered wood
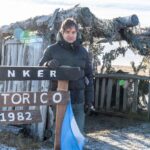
(128,21)
(103,93)
(62,85)
(41,127)
(52,19)
(33,98)
(19,117)
(22,57)
(149,102)
(9,84)
(142,45)
(20,84)
(117,95)
(40,73)
(60,111)
(135,98)
(13,62)
(122,76)
(32,54)
(125,99)
(109,93)
(99,27)
(97,93)
(10,128)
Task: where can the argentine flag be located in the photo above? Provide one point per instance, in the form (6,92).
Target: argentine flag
(71,137)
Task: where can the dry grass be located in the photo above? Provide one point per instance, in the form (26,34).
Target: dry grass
(20,141)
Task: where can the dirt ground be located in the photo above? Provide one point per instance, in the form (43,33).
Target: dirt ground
(102,133)
(115,133)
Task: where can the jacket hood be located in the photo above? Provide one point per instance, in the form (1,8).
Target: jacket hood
(69,46)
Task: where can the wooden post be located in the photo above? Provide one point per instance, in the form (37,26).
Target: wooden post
(103,93)
(109,93)
(117,95)
(149,103)
(97,93)
(125,99)
(135,102)
(60,110)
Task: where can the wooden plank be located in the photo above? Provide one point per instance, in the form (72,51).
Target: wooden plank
(41,127)
(33,98)
(34,85)
(13,62)
(52,19)
(103,93)
(2,54)
(135,98)
(60,111)
(19,84)
(40,73)
(23,60)
(97,93)
(149,102)
(20,117)
(128,21)
(62,85)
(11,129)
(3,83)
(38,129)
(122,76)
(117,95)
(109,93)
(25,40)
(9,84)
(125,99)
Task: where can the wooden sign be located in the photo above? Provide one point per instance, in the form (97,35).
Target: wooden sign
(33,98)
(40,73)
(63,74)
(20,117)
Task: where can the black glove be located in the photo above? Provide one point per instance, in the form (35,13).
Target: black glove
(52,63)
(90,110)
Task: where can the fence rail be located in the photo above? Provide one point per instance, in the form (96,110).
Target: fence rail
(121,93)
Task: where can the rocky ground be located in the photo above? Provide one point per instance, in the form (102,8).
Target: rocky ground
(102,132)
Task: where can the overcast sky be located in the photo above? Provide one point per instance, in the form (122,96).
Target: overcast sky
(16,10)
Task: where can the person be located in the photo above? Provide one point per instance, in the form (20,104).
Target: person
(68,50)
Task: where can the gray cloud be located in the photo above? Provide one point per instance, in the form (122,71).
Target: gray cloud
(127,6)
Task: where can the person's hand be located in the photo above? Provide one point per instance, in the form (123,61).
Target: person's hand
(53,63)
(90,109)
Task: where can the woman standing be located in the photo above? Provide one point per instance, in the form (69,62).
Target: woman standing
(69,51)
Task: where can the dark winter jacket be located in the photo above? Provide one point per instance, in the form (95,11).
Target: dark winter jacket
(71,55)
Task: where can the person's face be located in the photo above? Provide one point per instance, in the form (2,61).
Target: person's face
(70,35)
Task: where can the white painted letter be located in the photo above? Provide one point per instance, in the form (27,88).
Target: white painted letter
(53,73)
(11,73)
(57,100)
(5,99)
(41,98)
(40,73)
(34,98)
(26,98)
(26,73)
(13,100)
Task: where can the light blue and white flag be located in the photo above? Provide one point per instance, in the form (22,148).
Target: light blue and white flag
(71,137)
